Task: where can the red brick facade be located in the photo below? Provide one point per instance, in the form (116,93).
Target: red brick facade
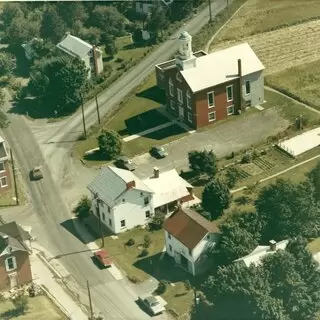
(23,271)
(6,174)
(196,113)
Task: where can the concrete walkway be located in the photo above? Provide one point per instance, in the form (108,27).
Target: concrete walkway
(172,120)
(43,276)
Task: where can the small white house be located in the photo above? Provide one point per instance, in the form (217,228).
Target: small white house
(188,237)
(91,55)
(28,47)
(256,256)
(125,201)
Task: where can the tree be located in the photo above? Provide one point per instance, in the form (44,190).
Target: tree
(240,234)
(215,198)
(82,210)
(203,162)
(52,27)
(20,303)
(157,221)
(71,13)
(92,35)
(110,144)
(247,289)
(7,63)
(10,11)
(314,177)
(232,176)
(157,21)
(110,49)
(288,210)
(59,80)
(108,19)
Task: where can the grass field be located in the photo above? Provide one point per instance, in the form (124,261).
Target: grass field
(301,82)
(40,308)
(259,16)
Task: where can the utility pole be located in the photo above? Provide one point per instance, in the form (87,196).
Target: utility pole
(210,10)
(83,120)
(90,302)
(14,178)
(100,222)
(97,105)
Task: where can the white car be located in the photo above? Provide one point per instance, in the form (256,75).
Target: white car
(153,304)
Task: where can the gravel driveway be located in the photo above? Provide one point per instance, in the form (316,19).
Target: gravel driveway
(241,133)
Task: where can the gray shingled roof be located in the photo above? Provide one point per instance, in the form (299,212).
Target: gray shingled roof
(14,230)
(74,46)
(3,151)
(112,182)
(13,244)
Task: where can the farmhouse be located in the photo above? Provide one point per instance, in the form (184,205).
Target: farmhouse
(14,257)
(122,201)
(188,238)
(203,88)
(260,252)
(91,55)
(5,176)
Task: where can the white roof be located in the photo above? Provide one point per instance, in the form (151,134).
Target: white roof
(74,46)
(302,142)
(167,188)
(112,183)
(259,252)
(221,66)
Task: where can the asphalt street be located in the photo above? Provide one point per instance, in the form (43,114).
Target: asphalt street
(114,299)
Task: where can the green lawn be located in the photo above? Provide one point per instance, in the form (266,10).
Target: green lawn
(301,82)
(154,264)
(40,308)
(6,198)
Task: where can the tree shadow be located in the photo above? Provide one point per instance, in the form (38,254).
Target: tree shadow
(153,93)
(95,156)
(193,178)
(107,59)
(12,313)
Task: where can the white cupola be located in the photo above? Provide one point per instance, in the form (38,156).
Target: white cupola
(185,58)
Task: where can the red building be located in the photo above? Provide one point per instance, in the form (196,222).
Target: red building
(203,88)
(5,176)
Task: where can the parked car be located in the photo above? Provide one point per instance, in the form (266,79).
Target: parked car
(158,152)
(125,163)
(36,173)
(152,304)
(103,258)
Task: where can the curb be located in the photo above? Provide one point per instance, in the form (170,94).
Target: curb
(40,255)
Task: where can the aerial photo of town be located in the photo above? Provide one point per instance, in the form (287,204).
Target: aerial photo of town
(159,159)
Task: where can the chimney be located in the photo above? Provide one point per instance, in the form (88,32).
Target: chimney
(239,68)
(131,184)
(5,239)
(156,172)
(95,62)
(273,245)
(240,83)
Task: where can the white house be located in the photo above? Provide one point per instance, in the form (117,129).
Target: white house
(256,256)
(28,47)
(91,55)
(188,237)
(125,201)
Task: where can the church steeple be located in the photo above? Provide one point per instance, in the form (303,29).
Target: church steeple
(185,58)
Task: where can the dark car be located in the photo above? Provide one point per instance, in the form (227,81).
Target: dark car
(158,152)
(125,163)
(36,173)
(103,258)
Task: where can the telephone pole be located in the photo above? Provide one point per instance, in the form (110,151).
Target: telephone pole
(100,222)
(14,178)
(210,11)
(83,120)
(97,105)
(90,302)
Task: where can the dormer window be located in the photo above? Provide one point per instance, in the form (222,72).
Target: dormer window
(171,88)
(178,77)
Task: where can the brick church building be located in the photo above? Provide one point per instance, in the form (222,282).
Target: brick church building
(203,88)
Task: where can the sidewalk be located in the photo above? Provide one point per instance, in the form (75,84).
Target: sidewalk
(44,277)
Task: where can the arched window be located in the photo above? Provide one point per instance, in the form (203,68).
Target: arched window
(171,91)
(188,99)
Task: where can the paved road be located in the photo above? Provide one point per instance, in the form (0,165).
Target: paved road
(49,207)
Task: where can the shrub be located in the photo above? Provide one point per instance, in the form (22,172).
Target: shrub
(82,210)
(20,303)
(243,200)
(162,287)
(232,176)
(246,158)
(144,253)
(133,279)
(147,241)
(130,242)
(156,222)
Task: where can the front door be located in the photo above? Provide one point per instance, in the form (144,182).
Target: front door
(13,280)
(181,112)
